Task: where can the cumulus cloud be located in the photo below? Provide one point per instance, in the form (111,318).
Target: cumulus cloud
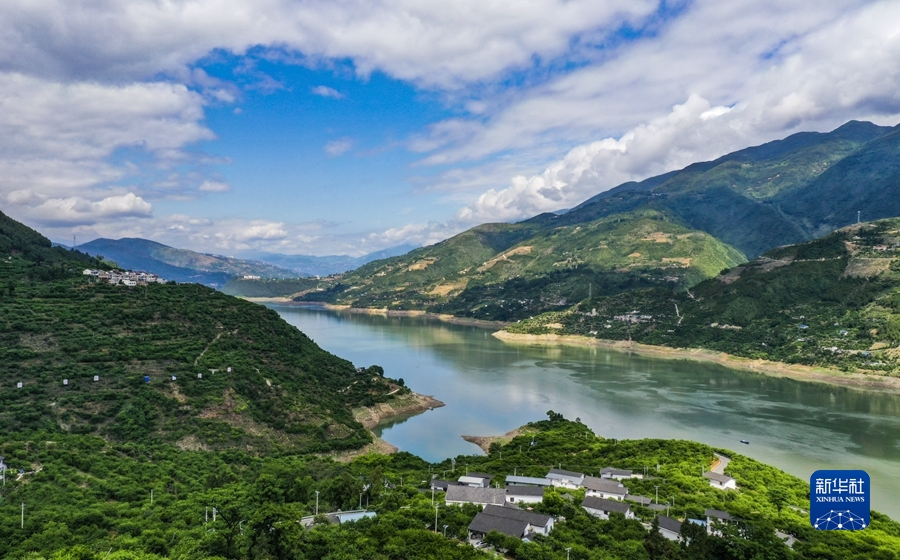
(811,81)
(325,91)
(338,147)
(79,211)
(436,44)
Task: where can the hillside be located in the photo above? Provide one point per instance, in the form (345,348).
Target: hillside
(509,271)
(833,302)
(738,206)
(87,499)
(180,265)
(221,372)
(782,192)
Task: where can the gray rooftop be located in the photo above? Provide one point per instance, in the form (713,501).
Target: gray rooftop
(719,514)
(536,519)
(476,495)
(527,481)
(604,485)
(480,475)
(561,474)
(524,491)
(717,477)
(485,523)
(618,472)
(669,524)
(602,504)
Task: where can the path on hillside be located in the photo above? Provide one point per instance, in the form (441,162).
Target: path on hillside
(720,464)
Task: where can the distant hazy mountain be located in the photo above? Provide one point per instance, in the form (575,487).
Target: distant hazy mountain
(181,265)
(308,265)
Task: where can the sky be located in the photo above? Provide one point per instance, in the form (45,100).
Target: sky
(323,127)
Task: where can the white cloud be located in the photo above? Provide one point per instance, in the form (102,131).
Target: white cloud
(79,211)
(432,43)
(338,147)
(325,91)
(214,186)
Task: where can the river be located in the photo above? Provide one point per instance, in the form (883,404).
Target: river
(491,387)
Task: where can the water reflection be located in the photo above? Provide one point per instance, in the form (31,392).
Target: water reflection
(491,387)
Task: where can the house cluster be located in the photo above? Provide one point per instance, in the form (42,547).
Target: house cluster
(124,277)
(604,495)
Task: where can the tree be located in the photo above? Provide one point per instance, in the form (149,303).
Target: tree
(658,546)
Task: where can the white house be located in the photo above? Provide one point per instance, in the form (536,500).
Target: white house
(720,481)
(714,518)
(509,521)
(524,494)
(669,528)
(619,474)
(565,479)
(527,481)
(480,496)
(604,488)
(599,507)
(129,282)
(476,480)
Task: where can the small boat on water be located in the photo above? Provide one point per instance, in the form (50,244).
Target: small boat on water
(745,441)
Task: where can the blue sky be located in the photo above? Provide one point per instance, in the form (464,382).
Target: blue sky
(314,127)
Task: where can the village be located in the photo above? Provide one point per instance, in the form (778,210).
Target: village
(124,277)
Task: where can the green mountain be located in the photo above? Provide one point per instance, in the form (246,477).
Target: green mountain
(180,265)
(181,364)
(309,265)
(507,271)
(709,215)
(832,302)
(782,192)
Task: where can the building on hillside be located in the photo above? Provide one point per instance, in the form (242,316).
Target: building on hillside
(720,481)
(524,494)
(509,521)
(604,488)
(645,501)
(669,528)
(527,481)
(565,479)
(442,485)
(476,480)
(619,474)
(600,507)
(717,517)
(479,496)
(338,517)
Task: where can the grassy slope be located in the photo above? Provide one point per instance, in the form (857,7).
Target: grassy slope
(845,289)
(532,269)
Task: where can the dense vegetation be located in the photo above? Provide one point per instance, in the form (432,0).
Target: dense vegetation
(511,271)
(89,499)
(82,350)
(834,301)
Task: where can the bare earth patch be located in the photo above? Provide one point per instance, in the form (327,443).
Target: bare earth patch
(524,250)
(484,442)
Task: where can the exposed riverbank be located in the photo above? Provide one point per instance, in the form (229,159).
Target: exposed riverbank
(384,312)
(775,369)
(401,406)
(484,442)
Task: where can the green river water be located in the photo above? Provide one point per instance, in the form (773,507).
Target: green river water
(491,387)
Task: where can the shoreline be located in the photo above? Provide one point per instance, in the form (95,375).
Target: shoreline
(370,417)
(484,442)
(774,369)
(446,318)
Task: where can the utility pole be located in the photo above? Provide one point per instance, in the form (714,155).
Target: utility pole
(23,515)
(435,518)
(317,502)
(568,550)
(151,496)
(445,531)
(657,495)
